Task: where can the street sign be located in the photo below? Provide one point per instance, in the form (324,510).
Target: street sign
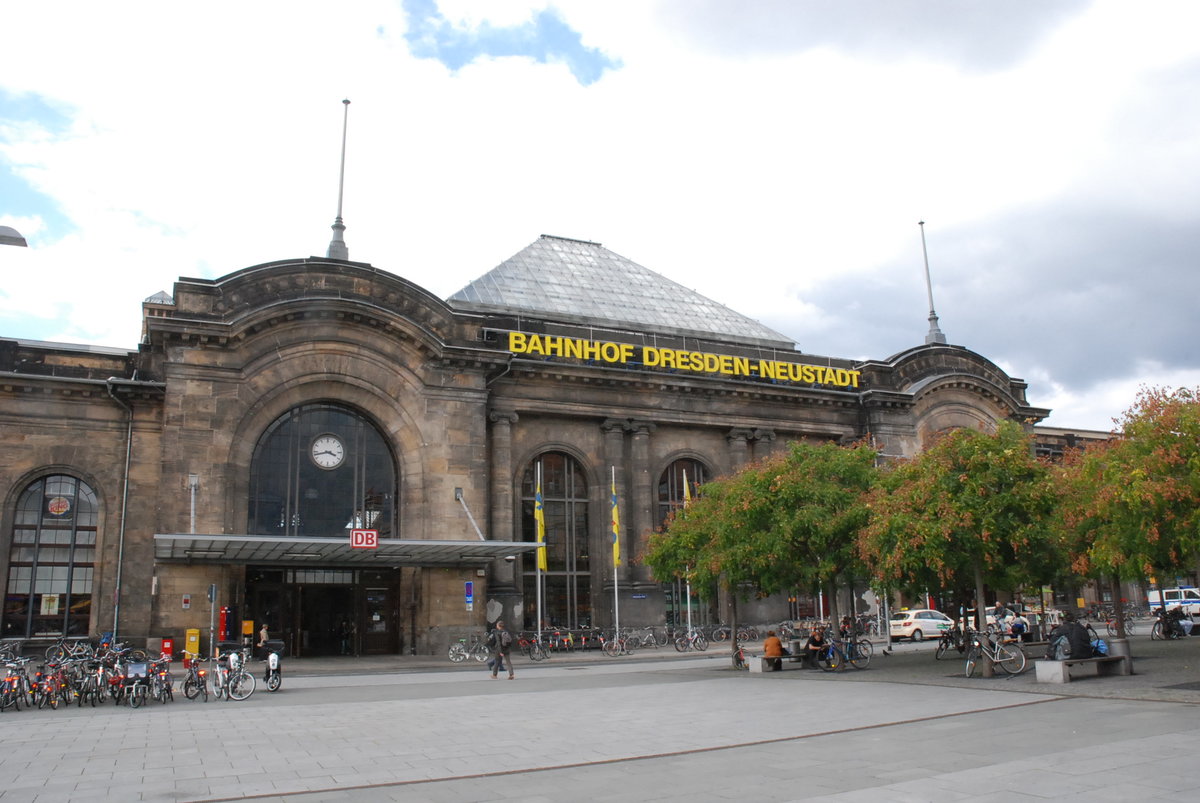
(364,539)
(187,601)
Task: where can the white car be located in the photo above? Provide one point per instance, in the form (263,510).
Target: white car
(918,624)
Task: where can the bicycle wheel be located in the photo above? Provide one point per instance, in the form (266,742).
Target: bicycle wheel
(137,696)
(612,648)
(191,688)
(274,681)
(681,644)
(55,653)
(1156,632)
(829,659)
(972,658)
(537,653)
(1112,628)
(1130,627)
(630,644)
(860,653)
(480,652)
(943,647)
(700,643)
(241,685)
(457,652)
(1011,659)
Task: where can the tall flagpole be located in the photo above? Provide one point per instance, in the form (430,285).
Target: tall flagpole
(539,516)
(616,561)
(687,498)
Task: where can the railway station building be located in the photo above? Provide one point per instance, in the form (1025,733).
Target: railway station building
(325,447)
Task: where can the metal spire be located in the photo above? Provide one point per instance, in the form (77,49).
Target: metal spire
(935,334)
(337,246)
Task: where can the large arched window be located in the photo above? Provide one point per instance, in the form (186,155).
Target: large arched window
(671,483)
(566,584)
(319,470)
(52,558)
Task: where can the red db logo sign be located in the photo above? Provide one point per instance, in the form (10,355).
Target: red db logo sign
(364,539)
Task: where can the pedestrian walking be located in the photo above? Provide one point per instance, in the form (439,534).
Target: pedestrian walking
(500,642)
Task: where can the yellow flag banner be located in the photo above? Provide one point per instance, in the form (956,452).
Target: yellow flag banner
(616,524)
(539,516)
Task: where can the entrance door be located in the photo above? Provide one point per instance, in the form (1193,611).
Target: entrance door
(323,610)
(379,622)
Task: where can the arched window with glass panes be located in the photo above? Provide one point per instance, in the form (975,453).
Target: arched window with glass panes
(52,559)
(671,485)
(567,581)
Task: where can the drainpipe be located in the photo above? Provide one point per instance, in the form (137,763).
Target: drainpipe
(109,383)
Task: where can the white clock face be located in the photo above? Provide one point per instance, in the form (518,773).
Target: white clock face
(327,451)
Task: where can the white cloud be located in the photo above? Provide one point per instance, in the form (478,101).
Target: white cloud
(784,178)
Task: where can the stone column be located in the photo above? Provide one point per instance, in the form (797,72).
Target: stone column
(739,448)
(502,512)
(764,443)
(642,514)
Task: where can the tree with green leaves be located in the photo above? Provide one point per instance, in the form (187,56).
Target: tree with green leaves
(787,522)
(970,510)
(1131,505)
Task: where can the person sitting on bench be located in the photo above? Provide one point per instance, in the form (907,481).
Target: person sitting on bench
(774,650)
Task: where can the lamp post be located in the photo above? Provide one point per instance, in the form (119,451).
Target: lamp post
(10,236)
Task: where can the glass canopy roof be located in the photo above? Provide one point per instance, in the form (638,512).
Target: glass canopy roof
(582,282)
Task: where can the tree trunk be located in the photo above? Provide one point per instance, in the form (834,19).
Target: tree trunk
(733,627)
(1118,607)
(981,619)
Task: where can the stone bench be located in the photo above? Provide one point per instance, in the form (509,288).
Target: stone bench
(760,663)
(1075,668)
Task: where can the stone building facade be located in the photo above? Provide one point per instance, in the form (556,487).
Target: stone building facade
(270,417)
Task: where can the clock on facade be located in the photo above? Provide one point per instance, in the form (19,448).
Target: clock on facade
(327,451)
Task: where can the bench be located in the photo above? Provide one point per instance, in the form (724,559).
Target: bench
(759,663)
(1075,668)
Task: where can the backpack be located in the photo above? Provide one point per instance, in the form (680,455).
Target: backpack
(505,638)
(1099,647)
(1059,649)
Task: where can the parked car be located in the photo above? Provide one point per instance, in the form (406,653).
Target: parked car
(918,624)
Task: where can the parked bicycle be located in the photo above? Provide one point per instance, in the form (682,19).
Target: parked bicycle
(195,683)
(841,651)
(232,680)
(956,638)
(1006,655)
(64,648)
(460,651)
(693,640)
(619,645)
(528,643)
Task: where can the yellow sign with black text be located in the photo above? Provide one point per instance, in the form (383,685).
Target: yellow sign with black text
(700,362)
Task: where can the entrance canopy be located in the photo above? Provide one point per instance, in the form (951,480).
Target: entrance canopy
(292,551)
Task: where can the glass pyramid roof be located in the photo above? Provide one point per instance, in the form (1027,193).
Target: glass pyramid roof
(578,281)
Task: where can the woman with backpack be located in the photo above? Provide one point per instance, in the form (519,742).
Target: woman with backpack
(501,643)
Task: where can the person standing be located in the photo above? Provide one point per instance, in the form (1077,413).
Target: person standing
(501,644)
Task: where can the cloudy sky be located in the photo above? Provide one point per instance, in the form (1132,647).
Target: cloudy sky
(775,155)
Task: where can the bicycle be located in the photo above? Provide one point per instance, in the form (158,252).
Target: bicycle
(459,651)
(19,690)
(533,649)
(1002,654)
(232,680)
(160,680)
(64,648)
(693,640)
(953,639)
(839,652)
(195,684)
(1111,624)
(619,645)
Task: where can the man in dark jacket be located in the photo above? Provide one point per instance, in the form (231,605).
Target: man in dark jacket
(1078,644)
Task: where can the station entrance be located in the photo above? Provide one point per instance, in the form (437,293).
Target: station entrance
(327,611)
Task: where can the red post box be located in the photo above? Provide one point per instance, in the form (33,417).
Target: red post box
(168,648)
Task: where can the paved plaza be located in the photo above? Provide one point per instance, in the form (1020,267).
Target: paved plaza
(655,727)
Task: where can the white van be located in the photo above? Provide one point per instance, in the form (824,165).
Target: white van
(1186,598)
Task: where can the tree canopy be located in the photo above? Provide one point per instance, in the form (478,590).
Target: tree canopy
(785,523)
(1131,506)
(971,509)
